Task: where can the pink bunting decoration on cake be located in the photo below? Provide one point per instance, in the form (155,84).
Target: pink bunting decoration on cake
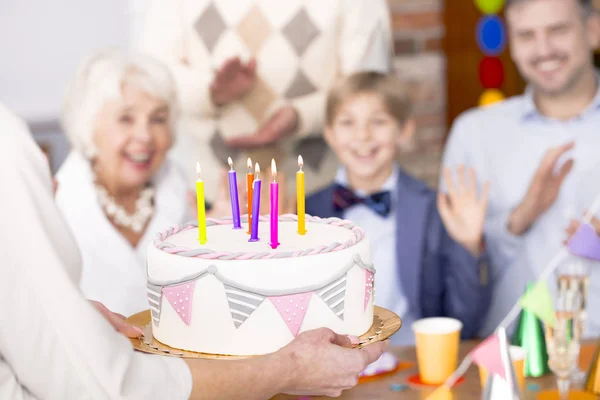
(487,355)
(369,281)
(180,297)
(292,309)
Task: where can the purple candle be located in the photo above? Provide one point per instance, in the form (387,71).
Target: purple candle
(233,194)
(274,207)
(255,205)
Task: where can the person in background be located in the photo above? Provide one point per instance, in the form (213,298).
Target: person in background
(117,187)
(253,76)
(428,263)
(54,344)
(537,148)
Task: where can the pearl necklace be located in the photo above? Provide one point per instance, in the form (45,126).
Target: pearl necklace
(120,216)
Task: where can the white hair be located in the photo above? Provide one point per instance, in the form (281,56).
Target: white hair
(99,79)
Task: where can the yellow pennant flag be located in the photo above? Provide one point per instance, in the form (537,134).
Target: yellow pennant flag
(538,300)
(441,393)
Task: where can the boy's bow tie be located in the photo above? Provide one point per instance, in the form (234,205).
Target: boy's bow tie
(344,198)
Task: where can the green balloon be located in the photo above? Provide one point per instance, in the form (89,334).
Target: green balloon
(489,6)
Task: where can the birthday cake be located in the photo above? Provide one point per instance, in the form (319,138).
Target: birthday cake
(235,297)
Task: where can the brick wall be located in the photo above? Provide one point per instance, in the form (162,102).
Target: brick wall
(420,62)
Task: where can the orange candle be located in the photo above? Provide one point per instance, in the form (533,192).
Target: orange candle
(249,182)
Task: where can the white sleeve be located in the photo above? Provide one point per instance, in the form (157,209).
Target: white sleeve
(502,245)
(53,343)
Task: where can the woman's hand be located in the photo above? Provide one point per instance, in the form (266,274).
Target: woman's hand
(321,362)
(118,321)
(463,210)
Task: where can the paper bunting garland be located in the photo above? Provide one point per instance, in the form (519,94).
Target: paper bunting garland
(539,301)
(334,295)
(180,297)
(243,301)
(242,304)
(369,283)
(155,300)
(292,309)
(487,356)
(585,243)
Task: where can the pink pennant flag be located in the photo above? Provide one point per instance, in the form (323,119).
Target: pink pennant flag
(292,309)
(180,297)
(487,355)
(369,281)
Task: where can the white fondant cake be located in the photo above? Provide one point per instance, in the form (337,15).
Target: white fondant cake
(234,297)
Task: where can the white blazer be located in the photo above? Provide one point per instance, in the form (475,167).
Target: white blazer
(53,343)
(114,272)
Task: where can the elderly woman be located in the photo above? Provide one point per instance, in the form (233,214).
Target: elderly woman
(117,188)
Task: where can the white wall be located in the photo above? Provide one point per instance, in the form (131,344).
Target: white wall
(41,44)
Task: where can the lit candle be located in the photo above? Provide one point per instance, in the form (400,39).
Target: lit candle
(300,197)
(249,182)
(233,194)
(274,207)
(255,205)
(201,207)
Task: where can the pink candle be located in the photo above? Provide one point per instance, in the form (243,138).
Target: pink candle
(274,207)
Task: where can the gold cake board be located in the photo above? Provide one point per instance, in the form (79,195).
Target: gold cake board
(385,324)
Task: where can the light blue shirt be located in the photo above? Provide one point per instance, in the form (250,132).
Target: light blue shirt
(505,143)
(381,232)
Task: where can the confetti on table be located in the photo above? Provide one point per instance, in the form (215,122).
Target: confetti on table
(398,387)
(533,387)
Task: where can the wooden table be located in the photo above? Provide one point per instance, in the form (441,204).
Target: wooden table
(470,389)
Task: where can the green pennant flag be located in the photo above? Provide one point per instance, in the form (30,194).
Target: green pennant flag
(539,301)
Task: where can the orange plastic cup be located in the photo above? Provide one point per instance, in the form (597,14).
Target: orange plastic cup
(437,342)
(517,355)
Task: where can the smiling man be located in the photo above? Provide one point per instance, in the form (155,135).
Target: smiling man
(537,148)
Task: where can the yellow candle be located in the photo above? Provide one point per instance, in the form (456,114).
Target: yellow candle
(300,197)
(201,207)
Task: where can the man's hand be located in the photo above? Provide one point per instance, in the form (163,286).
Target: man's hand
(542,192)
(320,362)
(232,81)
(118,321)
(283,123)
(463,210)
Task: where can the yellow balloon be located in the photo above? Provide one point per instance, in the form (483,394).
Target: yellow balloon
(490,97)
(489,6)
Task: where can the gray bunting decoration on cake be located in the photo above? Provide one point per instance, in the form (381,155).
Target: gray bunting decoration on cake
(155,301)
(334,295)
(242,304)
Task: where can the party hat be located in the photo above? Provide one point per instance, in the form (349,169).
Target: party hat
(592,379)
(497,388)
(530,336)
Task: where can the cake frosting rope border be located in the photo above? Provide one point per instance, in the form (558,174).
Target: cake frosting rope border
(214,270)
(160,240)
